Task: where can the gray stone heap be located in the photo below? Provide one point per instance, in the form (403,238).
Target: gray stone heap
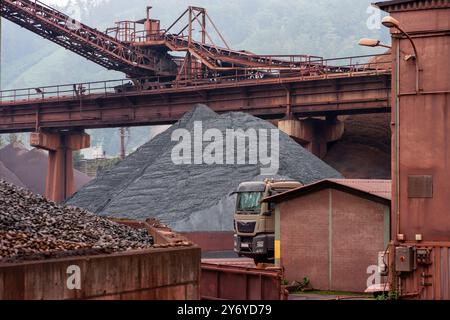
(147,184)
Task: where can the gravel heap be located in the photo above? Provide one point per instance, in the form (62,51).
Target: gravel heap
(364,152)
(9,176)
(20,244)
(30,225)
(147,184)
(28,168)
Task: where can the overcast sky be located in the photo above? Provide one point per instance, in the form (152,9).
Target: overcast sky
(61,2)
(58,2)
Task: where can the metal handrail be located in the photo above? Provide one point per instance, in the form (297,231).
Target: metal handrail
(309,71)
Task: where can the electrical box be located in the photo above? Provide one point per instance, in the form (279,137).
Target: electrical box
(423,256)
(405,259)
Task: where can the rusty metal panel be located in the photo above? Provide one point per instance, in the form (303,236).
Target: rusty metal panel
(431,279)
(169,271)
(149,274)
(420,186)
(224,282)
(421,123)
(212,241)
(405,259)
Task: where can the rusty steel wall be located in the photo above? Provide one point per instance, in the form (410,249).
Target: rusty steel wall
(424,137)
(212,241)
(421,141)
(225,282)
(430,281)
(170,271)
(140,275)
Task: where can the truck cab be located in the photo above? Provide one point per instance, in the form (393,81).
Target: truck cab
(254,221)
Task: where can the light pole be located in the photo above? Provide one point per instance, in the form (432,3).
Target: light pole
(390,22)
(366,42)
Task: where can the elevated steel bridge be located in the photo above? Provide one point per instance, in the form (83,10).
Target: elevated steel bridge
(119,103)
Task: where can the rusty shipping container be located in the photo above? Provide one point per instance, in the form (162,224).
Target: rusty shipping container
(419,265)
(228,282)
(170,271)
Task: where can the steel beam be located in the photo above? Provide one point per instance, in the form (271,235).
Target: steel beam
(60,183)
(264,98)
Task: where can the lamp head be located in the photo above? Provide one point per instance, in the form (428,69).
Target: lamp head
(390,22)
(366,42)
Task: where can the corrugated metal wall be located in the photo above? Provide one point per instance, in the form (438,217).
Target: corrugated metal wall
(430,281)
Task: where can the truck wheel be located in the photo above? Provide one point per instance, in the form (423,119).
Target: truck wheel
(259,260)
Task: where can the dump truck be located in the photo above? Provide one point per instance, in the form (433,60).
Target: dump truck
(254,221)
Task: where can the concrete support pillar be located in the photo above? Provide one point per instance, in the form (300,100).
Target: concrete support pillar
(313,134)
(60,183)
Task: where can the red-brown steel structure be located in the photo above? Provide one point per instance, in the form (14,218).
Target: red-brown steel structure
(82,39)
(144,52)
(419,253)
(360,92)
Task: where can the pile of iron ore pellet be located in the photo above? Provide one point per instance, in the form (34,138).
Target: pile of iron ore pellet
(194,197)
(31,226)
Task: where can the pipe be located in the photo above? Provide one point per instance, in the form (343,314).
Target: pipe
(397,137)
(148,28)
(416,54)
(424,93)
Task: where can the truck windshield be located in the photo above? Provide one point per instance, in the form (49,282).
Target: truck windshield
(250,202)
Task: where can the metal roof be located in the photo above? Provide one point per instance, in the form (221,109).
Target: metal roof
(383,4)
(381,188)
(388,5)
(376,190)
(256,186)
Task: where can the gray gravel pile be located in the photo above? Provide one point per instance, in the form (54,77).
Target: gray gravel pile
(28,168)
(31,225)
(147,184)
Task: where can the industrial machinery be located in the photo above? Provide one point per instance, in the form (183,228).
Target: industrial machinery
(254,222)
(149,55)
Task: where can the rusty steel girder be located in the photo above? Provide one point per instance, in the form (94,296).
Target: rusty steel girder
(267,99)
(60,182)
(144,53)
(81,39)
